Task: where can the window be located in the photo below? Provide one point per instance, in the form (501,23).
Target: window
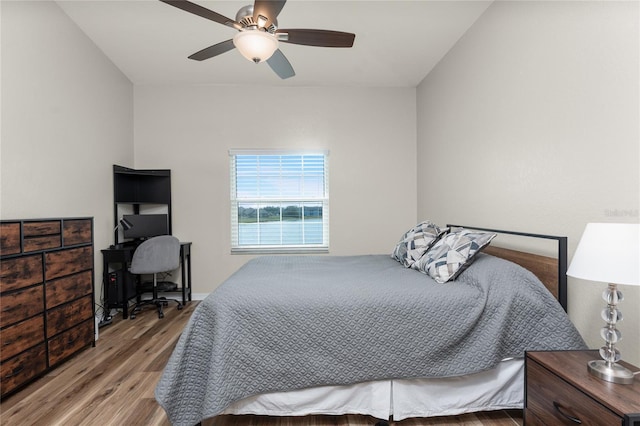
(279,201)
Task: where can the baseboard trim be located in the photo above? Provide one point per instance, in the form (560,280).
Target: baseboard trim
(198,296)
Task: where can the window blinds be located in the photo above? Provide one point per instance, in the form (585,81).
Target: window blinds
(279,201)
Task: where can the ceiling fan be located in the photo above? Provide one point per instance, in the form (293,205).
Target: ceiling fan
(258,34)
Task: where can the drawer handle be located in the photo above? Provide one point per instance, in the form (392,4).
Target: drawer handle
(558,408)
(15,372)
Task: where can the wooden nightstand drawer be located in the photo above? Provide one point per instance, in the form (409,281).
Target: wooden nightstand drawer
(531,419)
(560,391)
(555,402)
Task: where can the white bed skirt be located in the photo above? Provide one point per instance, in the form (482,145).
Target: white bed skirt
(497,389)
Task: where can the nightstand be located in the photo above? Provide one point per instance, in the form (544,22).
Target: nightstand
(560,391)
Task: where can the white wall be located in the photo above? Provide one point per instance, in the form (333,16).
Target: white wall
(67,116)
(370,134)
(531,123)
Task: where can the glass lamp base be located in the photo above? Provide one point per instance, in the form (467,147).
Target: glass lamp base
(611,372)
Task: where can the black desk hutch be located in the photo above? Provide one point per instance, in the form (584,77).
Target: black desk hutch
(138,188)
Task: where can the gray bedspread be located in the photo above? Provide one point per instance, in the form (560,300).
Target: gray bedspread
(285,323)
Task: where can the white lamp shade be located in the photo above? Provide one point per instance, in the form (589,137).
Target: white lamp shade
(608,252)
(255,45)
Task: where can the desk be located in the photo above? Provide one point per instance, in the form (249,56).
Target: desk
(124,283)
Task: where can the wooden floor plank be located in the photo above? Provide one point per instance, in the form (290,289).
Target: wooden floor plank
(113,384)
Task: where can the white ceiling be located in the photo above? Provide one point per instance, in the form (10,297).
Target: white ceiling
(397,42)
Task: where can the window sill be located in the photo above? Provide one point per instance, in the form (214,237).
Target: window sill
(280,250)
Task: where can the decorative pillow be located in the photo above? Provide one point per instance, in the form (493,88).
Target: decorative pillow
(452,254)
(415,243)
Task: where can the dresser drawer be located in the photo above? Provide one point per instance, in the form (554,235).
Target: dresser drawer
(20,272)
(9,238)
(556,402)
(20,305)
(67,262)
(21,336)
(22,368)
(68,343)
(69,315)
(68,288)
(41,228)
(77,231)
(41,235)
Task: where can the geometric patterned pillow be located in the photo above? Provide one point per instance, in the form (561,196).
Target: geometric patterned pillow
(452,254)
(415,243)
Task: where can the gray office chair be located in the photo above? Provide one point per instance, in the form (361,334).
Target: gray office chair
(153,256)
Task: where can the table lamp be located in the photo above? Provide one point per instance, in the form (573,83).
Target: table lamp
(609,252)
(126,225)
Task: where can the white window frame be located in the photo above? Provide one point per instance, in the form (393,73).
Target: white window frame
(236,248)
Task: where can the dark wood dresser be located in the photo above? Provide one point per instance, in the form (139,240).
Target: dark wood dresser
(46,296)
(561,391)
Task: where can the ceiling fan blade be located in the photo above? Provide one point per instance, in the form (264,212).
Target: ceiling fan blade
(211,51)
(280,65)
(321,38)
(203,12)
(270,9)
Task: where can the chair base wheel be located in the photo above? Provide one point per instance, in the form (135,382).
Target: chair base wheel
(159,304)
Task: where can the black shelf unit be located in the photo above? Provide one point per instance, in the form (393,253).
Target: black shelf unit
(140,187)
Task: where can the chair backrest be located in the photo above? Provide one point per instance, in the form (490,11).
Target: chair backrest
(157,254)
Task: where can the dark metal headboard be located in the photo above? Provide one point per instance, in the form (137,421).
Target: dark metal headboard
(562,260)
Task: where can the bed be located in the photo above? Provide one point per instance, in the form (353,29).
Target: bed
(297,335)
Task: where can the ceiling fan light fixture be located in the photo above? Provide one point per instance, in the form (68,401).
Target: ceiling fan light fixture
(262,21)
(255,45)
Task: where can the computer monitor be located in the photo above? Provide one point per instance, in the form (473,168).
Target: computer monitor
(141,226)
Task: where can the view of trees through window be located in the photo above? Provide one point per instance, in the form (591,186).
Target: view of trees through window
(250,214)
